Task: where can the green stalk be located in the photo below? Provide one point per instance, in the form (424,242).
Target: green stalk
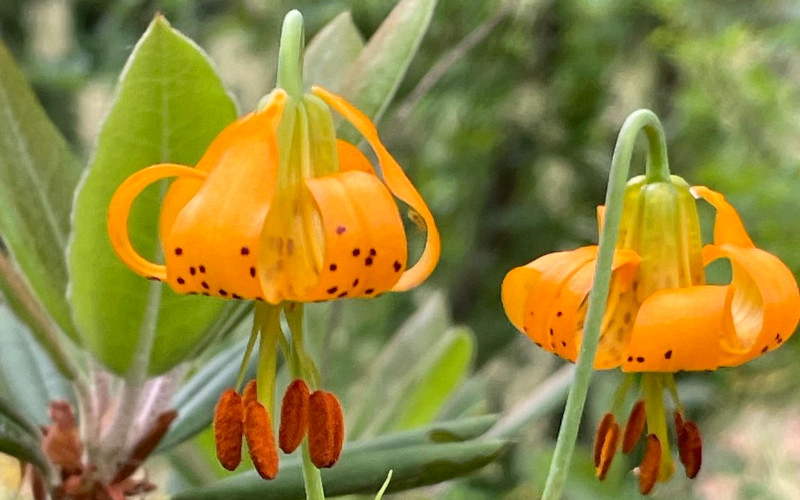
(290,55)
(656,170)
(269,318)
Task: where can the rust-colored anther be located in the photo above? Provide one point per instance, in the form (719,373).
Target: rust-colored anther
(651,462)
(634,428)
(600,436)
(228,418)
(250,392)
(609,450)
(690,446)
(294,416)
(260,440)
(325,429)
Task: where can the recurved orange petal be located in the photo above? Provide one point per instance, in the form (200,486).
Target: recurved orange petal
(728,227)
(398,184)
(212,247)
(765,302)
(679,329)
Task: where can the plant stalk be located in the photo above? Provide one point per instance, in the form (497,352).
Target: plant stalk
(657,170)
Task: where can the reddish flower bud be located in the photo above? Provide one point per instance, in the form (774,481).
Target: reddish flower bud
(260,441)
(294,416)
(228,418)
(325,429)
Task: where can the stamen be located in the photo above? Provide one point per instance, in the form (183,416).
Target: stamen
(325,429)
(651,463)
(600,436)
(294,416)
(608,451)
(250,393)
(260,441)
(634,428)
(690,445)
(228,417)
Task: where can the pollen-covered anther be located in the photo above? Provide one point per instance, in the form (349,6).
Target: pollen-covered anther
(608,450)
(260,441)
(294,416)
(600,436)
(228,418)
(325,429)
(634,428)
(250,393)
(651,463)
(690,445)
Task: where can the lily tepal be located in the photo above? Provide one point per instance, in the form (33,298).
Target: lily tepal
(661,316)
(281,211)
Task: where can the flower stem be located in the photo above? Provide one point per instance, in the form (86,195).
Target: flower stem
(657,169)
(290,55)
(269,317)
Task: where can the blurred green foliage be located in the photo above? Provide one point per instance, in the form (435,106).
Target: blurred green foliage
(511,147)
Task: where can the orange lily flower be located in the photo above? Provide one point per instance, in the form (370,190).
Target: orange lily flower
(661,317)
(312,223)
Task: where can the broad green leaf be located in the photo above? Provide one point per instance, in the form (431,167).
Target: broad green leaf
(196,400)
(330,52)
(388,375)
(169,105)
(361,471)
(14,441)
(28,376)
(38,174)
(440,371)
(373,78)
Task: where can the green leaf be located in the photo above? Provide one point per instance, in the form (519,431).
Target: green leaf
(38,174)
(17,443)
(196,400)
(373,78)
(169,105)
(438,374)
(445,432)
(333,48)
(388,376)
(361,471)
(12,413)
(27,374)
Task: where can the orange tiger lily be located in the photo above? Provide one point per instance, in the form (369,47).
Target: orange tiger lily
(661,317)
(312,223)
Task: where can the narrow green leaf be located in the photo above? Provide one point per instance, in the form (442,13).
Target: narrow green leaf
(12,413)
(440,371)
(445,432)
(196,400)
(360,471)
(330,52)
(38,174)
(388,375)
(373,78)
(169,106)
(29,377)
(19,444)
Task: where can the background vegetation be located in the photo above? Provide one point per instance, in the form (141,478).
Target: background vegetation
(506,121)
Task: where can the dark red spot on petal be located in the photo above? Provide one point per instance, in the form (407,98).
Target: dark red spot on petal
(179,251)
(245,251)
(332,267)
(369,291)
(181,281)
(204,285)
(202,269)
(356,252)
(373,252)
(368,261)
(192,271)
(343,294)
(333,289)
(668,354)
(355,282)
(397,266)
(340,229)
(223,292)
(236,296)
(252,272)
(640,359)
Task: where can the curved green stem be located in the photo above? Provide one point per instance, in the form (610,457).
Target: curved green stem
(657,170)
(290,55)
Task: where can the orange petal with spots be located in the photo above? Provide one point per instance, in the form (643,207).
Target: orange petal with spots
(765,303)
(120,207)
(679,329)
(566,313)
(213,244)
(400,186)
(365,245)
(728,227)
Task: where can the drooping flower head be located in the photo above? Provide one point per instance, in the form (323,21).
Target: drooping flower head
(661,317)
(281,211)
